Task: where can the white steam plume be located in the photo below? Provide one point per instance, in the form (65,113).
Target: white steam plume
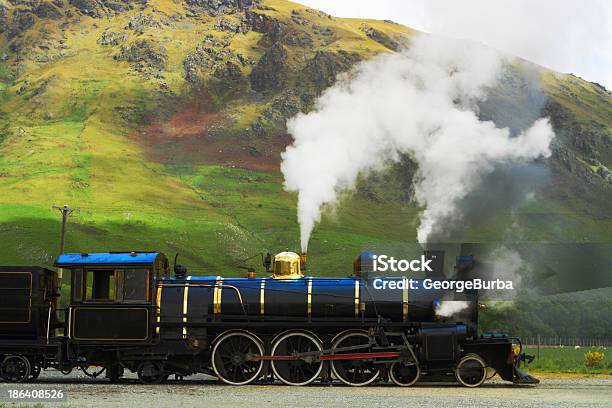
(508,265)
(419,102)
(448,308)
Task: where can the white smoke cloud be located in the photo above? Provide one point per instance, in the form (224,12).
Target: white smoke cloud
(507,265)
(419,102)
(448,308)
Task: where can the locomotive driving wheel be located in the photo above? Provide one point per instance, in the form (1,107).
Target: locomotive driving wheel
(232,358)
(471,370)
(404,374)
(15,369)
(300,371)
(353,372)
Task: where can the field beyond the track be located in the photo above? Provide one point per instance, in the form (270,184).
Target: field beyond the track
(568,360)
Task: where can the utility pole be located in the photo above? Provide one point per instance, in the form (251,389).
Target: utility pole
(65,211)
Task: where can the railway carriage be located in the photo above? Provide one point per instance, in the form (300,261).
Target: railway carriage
(28,300)
(127,312)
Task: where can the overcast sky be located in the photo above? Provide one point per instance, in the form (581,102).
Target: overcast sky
(565,35)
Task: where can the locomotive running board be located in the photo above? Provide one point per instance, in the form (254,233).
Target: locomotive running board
(522,377)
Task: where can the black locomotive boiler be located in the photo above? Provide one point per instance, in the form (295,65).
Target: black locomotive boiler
(127,313)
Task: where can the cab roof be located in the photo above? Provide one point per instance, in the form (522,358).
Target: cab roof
(107,258)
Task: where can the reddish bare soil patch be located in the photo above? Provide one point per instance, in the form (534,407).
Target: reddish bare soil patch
(192,135)
(189,123)
(259,155)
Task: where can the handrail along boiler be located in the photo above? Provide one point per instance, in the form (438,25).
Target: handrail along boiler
(127,313)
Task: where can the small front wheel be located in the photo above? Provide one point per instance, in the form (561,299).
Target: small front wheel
(471,370)
(404,374)
(150,372)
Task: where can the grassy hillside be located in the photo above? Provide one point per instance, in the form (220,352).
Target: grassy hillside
(109,136)
(163,121)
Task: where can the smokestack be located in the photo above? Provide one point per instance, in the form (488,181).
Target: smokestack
(436,265)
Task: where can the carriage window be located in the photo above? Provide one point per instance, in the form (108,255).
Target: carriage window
(100,286)
(135,285)
(77,285)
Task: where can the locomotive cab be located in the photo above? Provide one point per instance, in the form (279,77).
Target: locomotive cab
(112,295)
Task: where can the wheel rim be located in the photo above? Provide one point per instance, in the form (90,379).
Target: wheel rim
(296,372)
(354,372)
(151,372)
(15,369)
(232,358)
(404,374)
(471,371)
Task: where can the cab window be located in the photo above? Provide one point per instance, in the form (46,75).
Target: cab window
(135,285)
(101,286)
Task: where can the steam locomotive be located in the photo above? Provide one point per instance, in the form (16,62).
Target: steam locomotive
(127,312)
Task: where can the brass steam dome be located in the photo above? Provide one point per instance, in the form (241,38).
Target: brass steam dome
(287,266)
